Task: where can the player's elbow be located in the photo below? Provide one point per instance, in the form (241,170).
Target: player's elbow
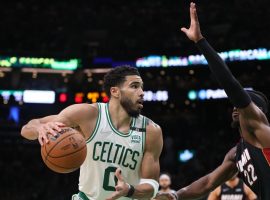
(198,189)
(28,134)
(24,133)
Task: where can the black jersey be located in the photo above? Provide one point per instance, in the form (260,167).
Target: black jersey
(254,168)
(235,193)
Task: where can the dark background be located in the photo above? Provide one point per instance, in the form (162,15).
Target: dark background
(126,30)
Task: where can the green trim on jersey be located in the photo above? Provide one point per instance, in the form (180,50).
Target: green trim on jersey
(143,133)
(97,125)
(133,122)
(82,195)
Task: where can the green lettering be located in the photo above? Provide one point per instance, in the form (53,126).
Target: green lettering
(106,179)
(109,154)
(121,156)
(134,160)
(125,157)
(94,152)
(116,152)
(103,151)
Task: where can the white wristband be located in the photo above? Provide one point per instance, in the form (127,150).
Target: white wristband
(151,182)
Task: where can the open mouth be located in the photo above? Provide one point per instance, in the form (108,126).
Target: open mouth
(140,102)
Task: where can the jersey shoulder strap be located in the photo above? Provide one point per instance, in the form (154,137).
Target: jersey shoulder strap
(97,123)
(222,189)
(139,125)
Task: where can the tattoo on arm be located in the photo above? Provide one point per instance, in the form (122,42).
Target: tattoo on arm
(149,121)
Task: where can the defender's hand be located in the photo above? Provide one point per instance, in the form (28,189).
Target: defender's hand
(165,196)
(121,189)
(50,128)
(194,32)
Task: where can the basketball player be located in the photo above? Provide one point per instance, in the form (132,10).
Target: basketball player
(251,156)
(123,147)
(233,189)
(165,184)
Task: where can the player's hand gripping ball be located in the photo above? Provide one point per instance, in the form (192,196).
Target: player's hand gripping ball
(65,152)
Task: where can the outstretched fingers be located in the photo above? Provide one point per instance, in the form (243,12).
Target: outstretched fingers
(193,14)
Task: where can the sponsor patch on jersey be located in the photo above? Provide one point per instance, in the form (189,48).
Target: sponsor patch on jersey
(225,190)
(238,190)
(136,139)
(266,153)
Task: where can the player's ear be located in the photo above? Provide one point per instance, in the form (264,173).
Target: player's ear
(115,92)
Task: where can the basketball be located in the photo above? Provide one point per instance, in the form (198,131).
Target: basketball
(65,152)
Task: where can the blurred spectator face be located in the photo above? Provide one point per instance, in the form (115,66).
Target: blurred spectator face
(234,178)
(164,181)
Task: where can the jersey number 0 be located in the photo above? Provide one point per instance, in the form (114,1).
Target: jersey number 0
(106,180)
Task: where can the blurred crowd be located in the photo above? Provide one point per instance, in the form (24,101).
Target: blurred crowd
(126,30)
(200,126)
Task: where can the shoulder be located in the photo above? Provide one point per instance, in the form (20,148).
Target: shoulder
(231,155)
(154,139)
(217,191)
(82,106)
(249,192)
(153,131)
(152,127)
(81,111)
(246,188)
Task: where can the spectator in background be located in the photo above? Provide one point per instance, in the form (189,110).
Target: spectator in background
(233,189)
(165,185)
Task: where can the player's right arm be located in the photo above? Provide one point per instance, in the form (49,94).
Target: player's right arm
(80,116)
(208,183)
(215,194)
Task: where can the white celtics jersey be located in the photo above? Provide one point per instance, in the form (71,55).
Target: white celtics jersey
(108,149)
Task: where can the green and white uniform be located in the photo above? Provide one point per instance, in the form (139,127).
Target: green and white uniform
(108,149)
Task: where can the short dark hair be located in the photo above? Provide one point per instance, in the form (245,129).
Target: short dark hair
(165,173)
(117,76)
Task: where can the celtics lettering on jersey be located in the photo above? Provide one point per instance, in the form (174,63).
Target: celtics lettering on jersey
(116,153)
(109,149)
(246,167)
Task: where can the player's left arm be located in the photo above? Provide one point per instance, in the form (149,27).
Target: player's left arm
(253,117)
(248,192)
(150,169)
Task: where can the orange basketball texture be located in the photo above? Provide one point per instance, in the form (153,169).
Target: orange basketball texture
(66,152)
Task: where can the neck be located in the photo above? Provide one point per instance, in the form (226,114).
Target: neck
(120,118)
(165,190)
(233,183)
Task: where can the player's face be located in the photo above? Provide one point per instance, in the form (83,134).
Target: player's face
(164,182)
(235,118)
(131,97)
